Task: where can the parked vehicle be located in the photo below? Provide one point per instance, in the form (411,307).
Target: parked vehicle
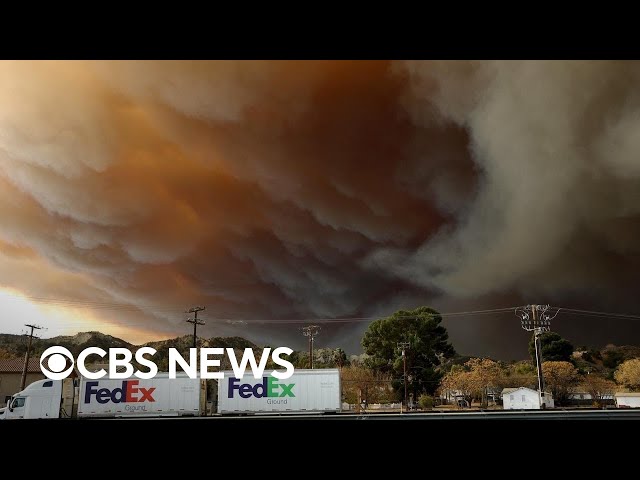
(306,391)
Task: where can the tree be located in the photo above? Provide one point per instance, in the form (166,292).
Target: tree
(327,358)
(340,357)
(460,382)
(486,374)
(612,358)
(561,378)
(362,385)
(521,374)
(5,354)
(598,387)
(473,379)
(428,345)
(628,374)
(591,355)
(612,355)
(554,348)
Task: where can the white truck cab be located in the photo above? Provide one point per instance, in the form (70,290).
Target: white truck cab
(41,399)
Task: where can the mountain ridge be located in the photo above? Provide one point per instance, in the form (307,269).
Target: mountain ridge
(14,346)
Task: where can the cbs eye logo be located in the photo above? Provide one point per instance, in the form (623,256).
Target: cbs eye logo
(56,363)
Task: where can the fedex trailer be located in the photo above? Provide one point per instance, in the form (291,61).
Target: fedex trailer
(306,391)
(157,397)
(130,397)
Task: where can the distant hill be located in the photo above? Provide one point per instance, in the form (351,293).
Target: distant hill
(186,342)
(14,346)
(606,360)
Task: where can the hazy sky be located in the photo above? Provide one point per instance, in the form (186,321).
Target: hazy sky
(130,191)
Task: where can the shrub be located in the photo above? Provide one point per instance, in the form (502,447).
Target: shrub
(426,402)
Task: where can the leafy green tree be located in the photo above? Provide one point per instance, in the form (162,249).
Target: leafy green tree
(322,358)
(340,358)
(329,358)
(428,346)
(554,348)
(426,402)
(521,374)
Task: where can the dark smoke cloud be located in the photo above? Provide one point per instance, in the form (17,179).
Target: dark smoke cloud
(323,189)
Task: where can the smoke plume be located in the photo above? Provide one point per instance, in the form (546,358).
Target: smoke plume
(295,190)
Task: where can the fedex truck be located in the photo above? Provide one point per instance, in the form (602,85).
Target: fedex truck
(130,397)
(306,391)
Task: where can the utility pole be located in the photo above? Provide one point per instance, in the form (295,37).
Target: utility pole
(195,322)
(534,318)
(26,356)
(311,331)
(404,346)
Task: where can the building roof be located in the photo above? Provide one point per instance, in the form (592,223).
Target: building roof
(513,389)
(627,394)
(507,391)
(17,364)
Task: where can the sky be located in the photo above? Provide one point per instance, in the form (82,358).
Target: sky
(301,190)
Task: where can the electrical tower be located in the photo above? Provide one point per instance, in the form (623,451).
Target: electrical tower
(195,322)
(311,331)
(536,319)
(26,356)
(403,346)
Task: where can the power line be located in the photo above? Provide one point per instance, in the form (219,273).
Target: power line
(600,314)
(336,321)
(116,306)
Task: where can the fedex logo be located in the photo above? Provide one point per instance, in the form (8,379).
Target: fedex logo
(268,388)
(128,393)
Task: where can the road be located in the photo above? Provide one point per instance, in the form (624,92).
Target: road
(631,414)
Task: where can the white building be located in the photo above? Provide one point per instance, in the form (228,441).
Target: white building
(523,398)
(627,400)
